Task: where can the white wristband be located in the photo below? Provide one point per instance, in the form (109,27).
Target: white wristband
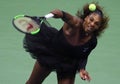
(50,15)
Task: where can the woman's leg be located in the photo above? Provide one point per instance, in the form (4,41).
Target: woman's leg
(39,73)
(64,78)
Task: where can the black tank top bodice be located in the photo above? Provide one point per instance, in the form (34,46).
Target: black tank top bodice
(62,47)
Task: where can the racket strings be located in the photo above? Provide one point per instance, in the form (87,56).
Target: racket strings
(29,24)
(36,19)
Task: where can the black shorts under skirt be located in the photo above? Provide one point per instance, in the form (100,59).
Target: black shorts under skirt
(40,48)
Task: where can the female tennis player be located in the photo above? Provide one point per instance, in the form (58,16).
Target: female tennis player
(66,51)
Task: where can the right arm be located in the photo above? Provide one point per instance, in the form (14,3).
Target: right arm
(67,18)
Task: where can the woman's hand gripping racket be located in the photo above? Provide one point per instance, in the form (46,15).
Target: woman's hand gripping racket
(30,24)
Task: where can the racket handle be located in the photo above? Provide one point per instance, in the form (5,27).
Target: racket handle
(50,15)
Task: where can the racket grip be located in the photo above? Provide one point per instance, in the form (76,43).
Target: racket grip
(50,15)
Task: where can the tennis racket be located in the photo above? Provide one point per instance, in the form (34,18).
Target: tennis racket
(30,24)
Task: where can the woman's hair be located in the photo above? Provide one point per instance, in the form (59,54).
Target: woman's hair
(99,10)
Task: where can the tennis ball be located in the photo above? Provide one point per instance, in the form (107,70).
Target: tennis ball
(92,7)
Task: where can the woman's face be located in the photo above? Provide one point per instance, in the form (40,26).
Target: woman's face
(92,22)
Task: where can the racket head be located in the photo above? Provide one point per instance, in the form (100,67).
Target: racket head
(25,24)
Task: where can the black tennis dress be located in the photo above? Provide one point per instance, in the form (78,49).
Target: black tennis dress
(52,50)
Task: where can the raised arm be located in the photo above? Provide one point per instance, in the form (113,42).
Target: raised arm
(66,17)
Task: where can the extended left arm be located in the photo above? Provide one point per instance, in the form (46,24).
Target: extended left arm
(82,71)
(82,65)
(83,61)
